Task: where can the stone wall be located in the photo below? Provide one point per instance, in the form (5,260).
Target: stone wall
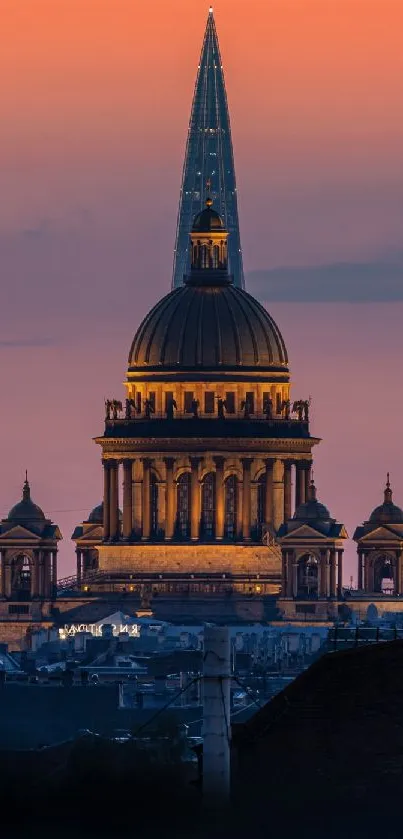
(188,559)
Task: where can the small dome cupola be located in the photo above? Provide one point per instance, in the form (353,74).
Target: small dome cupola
(26,510)
(209,249)
(388,511)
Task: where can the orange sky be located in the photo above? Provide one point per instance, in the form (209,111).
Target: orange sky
(95,100)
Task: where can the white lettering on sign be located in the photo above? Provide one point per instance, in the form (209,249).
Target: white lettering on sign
(71,629)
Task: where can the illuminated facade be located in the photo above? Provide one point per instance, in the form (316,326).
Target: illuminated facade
(209,161)
(206,443)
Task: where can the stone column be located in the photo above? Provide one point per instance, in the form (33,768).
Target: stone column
(239,513)
(194,499)
(287,490)
(114,501)
(169,498)
(127,498)
(294,577)
(41,570)
(328,573)
(146,499)
(269,492)
(79,565)
(278,494)
(398,572)
(325,573)
(307,477)
(366,572)
(339,572)
(332,573)
(7,579)
(219,497)
(246,499)
(107,505)
(47,574)
(2,574)
(35,575)
(360,576)
(54,572)
(300,497)
(284,573)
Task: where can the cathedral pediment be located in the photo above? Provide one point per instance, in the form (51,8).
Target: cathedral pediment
(19,533)
(382,534)
(304,532)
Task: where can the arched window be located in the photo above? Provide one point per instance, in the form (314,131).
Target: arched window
(384,574)
(308,576)
(21,577)
(208,506)
(183,515)
(154,505)
(230,520)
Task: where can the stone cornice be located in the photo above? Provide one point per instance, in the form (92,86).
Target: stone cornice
(124,447)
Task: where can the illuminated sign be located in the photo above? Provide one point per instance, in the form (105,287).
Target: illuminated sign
(71,629)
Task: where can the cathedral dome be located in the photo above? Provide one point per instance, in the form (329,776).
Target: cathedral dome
(96,515)
(208,323)
(208,326)
(387,512)
(26,510)
(208,220)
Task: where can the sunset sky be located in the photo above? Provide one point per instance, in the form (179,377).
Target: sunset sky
(95,100)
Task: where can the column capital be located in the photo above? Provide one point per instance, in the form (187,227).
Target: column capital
(246,462)
(219,461)
(127,461)
(169,462)
(147,461)
(195,461)
(109,463)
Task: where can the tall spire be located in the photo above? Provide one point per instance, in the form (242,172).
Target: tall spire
(208,169)
(26,491)
(388,491)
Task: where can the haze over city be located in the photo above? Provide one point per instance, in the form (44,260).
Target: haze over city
(95,112)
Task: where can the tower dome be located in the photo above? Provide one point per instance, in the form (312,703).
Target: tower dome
(312,509)
(387,512)
(208,323)
(26,511)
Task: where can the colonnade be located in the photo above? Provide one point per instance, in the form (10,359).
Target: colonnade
(330,572)
(277,480)
(42,566)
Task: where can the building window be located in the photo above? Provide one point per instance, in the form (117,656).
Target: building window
(21,577)
(209,402)
(230,402)
(250,399)
(151,397)
(138,402)
(20,609)
(308,576)
(188,401)
(169,398)
(230,531)
(279,403)
(183,516)
(208,506)
(384,575)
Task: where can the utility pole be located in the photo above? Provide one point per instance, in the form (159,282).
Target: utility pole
(216,716)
